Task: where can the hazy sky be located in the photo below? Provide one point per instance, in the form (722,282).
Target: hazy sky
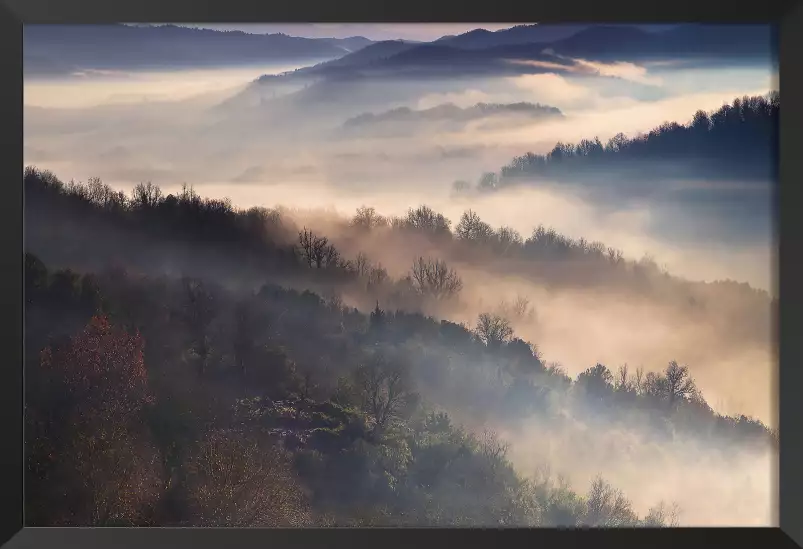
(374,31)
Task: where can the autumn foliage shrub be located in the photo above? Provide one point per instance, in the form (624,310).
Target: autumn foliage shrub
(94,460)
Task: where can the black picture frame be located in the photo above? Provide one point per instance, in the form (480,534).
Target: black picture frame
(15,13)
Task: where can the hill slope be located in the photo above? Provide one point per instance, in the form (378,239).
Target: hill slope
(490,53)
(740,140)
(345,417)
(123,47)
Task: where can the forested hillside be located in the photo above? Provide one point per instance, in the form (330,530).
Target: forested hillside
(198,366)
(737,141)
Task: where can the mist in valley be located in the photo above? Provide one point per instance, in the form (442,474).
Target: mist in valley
(281,145)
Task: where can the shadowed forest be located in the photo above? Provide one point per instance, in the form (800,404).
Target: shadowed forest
(739,139)
(277,280)
(215,402)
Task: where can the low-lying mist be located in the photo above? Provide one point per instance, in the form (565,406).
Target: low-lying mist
(169,145)
(88,89)
(636,229)
(726,344)
(581,325)
(709,490)
(170,129)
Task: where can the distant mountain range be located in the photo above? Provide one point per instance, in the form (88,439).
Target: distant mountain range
(628,43)
(529,49)
(64,49)
(527,34)
(520,34)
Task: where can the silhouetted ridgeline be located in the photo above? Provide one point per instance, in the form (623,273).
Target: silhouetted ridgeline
(485,53)
(165,401)
(739,141)
(54,49)
(186,233)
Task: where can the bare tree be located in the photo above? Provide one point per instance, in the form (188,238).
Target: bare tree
(425,219)
(377,276)
(493,330)
(146,196)
(367,218)
(654,385)
(103,195)
(433,277)
(384,390)
(306,245)
(662,515)
(233,482)
(362,266)
(679,385)
(508,238)
(638,380)
(623,382)
(397,222)
(607,506)
(674,385)
(522,309)
(325,254)
(518,310)
(317,250)
(473,229)
(492,448)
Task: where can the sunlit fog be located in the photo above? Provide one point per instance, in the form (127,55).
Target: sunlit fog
(633,251)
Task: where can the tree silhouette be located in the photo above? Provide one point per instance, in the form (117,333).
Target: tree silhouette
(377,318)
(737,139)
(472,228)
(367,218)
(384,391)
(597,381)
(608,507)
(425,220)
(679,385)
(493,330)
(434,278)
(146,196)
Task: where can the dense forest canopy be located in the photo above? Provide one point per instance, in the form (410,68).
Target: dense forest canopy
(738,140)
(206,404)
(271,233)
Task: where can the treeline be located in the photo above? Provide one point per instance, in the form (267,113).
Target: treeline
(176,402)
(556,260)
(268,242)
(263,243)
(740,139)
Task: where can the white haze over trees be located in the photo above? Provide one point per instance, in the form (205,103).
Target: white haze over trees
(380,174)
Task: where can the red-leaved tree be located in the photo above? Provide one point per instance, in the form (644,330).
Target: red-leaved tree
(100,467)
